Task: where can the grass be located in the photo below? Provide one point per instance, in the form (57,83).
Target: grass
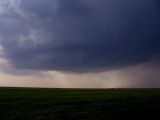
(79,104)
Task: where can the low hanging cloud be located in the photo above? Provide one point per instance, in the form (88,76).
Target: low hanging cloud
(79,35)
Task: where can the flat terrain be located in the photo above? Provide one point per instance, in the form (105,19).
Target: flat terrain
(79,104)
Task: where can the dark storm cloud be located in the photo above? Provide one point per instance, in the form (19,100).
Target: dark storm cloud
(80,35)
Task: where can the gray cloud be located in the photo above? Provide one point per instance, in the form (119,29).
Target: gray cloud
(79,36)
(145,75)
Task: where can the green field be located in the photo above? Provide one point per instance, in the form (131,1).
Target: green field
(79,104)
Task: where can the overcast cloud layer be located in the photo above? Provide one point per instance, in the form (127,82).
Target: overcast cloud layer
(79,35)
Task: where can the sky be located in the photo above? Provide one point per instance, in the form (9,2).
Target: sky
(80,43)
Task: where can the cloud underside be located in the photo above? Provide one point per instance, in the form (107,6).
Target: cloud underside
(79,36)
(145,75)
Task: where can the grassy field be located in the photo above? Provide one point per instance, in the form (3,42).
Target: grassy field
(79,104)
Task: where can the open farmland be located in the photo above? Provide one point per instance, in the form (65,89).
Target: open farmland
(78,104)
